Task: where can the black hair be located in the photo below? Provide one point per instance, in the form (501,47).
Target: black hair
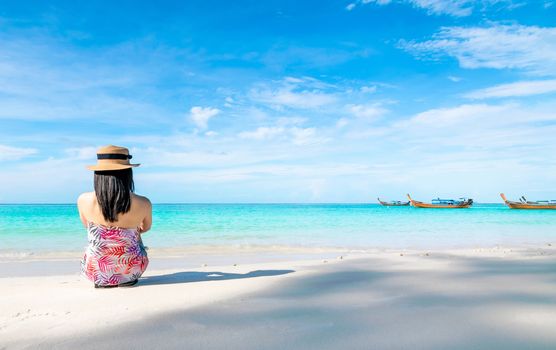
(113,189)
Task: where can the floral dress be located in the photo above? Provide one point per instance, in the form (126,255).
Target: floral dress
(114,255)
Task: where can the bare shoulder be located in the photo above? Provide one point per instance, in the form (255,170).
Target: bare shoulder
(141,200)
(86,198)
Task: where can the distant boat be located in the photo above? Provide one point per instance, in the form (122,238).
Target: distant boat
(443,203)
(525,204)
(393,203)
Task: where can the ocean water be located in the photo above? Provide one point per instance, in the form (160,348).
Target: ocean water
(45,228)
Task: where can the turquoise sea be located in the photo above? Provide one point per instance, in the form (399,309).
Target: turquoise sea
(41,228)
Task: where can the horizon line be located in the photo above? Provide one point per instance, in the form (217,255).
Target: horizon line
(225,203)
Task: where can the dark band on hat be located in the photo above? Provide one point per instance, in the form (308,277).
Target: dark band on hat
(114,156)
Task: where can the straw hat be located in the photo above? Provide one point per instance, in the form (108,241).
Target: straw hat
(112,158)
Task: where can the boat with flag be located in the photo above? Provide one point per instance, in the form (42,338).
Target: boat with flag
(525,204)
(442,203)
(394,203)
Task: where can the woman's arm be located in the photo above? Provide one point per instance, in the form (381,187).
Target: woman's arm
(80,207)
(148,219)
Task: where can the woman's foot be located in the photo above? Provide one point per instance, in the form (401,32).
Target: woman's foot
(127,284)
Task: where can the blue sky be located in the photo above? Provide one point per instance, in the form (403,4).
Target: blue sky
(281,101)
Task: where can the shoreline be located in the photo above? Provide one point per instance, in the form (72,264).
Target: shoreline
(221,249)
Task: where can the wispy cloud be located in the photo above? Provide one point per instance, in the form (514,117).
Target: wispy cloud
(456,8)
(498,46)
(368,89)
(295,135)
(517,89)
(290,98)
(492,127)
(368,112)
(463,114)
(15,153)
(306,93)
(305,136)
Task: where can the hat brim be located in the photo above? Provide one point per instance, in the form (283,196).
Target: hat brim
(112,166)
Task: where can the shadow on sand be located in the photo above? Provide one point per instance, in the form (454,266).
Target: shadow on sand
(195,276)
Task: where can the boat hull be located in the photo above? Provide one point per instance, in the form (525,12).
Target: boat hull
(440,206)
(386,204)
(416,204)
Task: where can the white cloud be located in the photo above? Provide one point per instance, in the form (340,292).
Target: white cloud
(529,48)
(457,8)
(211,133)
(350,7)
(517,89)
(454,78)
(201,115)
(442,117)
(367,111)
(15,153)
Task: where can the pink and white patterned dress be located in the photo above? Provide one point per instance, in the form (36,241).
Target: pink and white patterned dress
(114,255)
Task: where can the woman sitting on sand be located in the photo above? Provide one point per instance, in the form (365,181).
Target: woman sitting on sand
(115,218)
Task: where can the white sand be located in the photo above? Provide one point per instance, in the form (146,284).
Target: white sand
(498,298)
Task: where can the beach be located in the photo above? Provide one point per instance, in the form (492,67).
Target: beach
(497,297)
(283,175)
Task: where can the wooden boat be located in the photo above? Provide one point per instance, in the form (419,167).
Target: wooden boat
(442,203)
(393,203)
(525,204)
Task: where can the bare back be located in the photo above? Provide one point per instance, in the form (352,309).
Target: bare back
(138,217)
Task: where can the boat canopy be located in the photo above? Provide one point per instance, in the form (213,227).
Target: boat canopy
(448,201)
(543,201)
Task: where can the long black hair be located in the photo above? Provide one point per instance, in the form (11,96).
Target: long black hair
(113,189)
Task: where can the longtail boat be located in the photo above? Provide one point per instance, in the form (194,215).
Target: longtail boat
(525,204)
(393,203)
(442,203)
